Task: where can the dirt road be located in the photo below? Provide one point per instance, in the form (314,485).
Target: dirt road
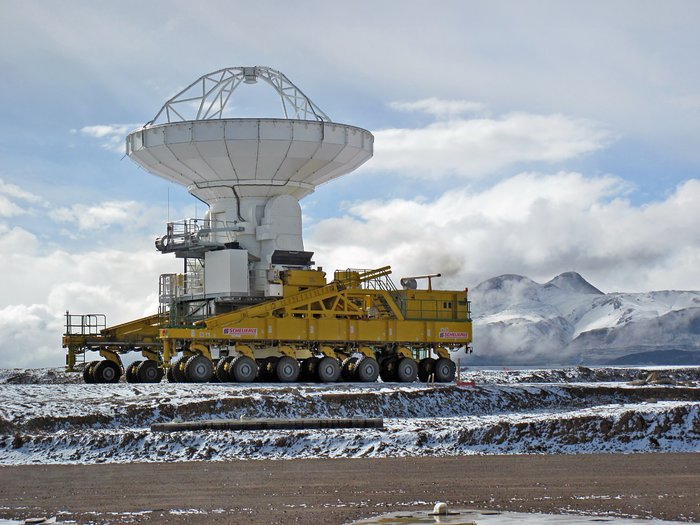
(665,486)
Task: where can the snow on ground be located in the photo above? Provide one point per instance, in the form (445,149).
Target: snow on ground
(507,411)
(466,516)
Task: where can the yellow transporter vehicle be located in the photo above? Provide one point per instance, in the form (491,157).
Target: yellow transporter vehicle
(357,327)
(249,303)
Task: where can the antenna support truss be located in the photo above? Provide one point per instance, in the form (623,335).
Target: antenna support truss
(206,98)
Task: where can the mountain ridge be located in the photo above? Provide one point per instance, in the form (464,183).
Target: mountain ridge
(567,320)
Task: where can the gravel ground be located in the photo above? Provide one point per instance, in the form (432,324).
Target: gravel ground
(664,486)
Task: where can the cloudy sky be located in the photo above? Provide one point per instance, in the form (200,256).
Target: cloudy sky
(527,137)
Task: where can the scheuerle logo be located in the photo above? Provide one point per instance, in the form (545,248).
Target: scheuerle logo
(446,333)
(238,332)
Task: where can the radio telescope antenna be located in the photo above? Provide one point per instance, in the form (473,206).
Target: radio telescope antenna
(251,172)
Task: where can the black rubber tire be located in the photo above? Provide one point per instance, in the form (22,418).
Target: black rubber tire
(445,370)
(148,371)
(426,368)
(388,370)
(367,370)
(407,370)
(199,369)
(107,371)
(130,373)
(243,369)
(178,369)
(87,372)
(308,369)
(347,369)
(328,370)
(223,367)
(169,374)
(287,369)
(266,369)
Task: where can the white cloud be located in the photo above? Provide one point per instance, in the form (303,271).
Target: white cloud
(10,193)
(476,147)
(40,287)
(9,208)
(440,108)
(41,282)
(17,240)
(111,136)
(100,216)
(531,224)
(12,190)
(30,336)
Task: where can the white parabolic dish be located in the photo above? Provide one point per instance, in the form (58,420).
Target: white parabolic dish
(260,157)
(252,172)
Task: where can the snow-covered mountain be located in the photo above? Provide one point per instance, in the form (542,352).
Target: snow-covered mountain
(568,320)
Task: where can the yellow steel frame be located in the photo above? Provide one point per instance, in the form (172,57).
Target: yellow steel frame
(334,315)
(334,319)
(332,331)
(110,339)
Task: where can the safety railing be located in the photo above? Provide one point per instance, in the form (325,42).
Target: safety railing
(196,233)
(85,324)
(378,279)
(192,283)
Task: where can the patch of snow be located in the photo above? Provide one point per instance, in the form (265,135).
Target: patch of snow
(508,411)
(463,516)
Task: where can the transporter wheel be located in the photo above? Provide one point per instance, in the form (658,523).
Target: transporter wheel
(130,373)
(243,369)
(367,370)
(222,368)
(178,369)
(309,369)
(266,370)
(445,370)
(199,369)
(388,370)
(407,370)
(148,371)
(87,372)
(426,367)
(106,372)
(347,369)
(287,369)
(328,370)
(169,374)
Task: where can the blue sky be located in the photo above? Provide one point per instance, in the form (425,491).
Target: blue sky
(511,137)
